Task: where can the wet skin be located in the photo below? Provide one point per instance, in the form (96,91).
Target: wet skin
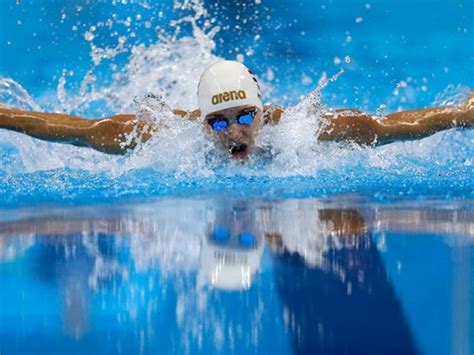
(121,133)
(237,139)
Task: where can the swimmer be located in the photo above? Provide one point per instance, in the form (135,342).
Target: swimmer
(231,107)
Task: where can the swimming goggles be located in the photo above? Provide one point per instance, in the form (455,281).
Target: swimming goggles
(246,240)
(220,123)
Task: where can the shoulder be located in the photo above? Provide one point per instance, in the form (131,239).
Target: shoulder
(272,114)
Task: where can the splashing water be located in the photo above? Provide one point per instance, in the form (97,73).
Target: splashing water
(180,159)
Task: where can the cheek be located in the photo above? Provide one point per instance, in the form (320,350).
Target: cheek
(251,130)
(218,136)
(257,123)
(254,128)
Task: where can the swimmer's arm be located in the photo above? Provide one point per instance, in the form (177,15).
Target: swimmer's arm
(190,115)
(359,127)
(113,135)
(55,226)
(272,113)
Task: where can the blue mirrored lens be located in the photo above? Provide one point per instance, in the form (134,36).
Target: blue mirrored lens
(221,234)
(247,240)
(219,125)
(246,119)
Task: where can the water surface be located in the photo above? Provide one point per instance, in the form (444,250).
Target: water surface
(229,275)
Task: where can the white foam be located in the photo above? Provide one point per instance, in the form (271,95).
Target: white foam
(171,68)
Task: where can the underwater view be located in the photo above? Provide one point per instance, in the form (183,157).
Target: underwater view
(324,205)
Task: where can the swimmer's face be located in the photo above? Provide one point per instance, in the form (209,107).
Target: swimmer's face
(237,139)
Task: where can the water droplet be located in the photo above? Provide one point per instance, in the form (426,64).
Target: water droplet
(305,79)
(89,36)
(269,75)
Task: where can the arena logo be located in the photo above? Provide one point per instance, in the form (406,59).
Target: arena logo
(228,96)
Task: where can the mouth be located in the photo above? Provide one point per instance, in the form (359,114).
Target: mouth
(238,150)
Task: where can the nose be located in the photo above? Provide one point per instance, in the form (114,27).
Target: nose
(235,132)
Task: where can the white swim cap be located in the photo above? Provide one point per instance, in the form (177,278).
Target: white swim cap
(228,268)
(227,84)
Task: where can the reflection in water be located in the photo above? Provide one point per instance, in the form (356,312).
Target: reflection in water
(301,276)
(231,249)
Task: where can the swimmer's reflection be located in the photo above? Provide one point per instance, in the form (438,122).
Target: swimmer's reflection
(344,303)
(330,279)
(61,254)
(231,249)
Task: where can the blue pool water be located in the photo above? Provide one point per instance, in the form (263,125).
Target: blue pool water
(306,247)
(94,59)
(339,275)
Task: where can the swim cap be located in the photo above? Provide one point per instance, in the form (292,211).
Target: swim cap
(227,84)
